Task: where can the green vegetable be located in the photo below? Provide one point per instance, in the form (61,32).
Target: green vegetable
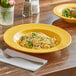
(23,38)
(30,44)
(70,9)
(66,12)
(73,15)
(41,39)
(69,13)
(48,38)
(34,34)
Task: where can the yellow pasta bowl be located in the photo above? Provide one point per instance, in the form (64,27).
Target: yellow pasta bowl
(58,11)
(13,34)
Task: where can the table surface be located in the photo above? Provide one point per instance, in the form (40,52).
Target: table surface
(57,61)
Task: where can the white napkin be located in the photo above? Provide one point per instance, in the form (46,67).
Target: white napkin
(22,63)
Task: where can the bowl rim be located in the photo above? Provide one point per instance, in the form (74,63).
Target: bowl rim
(60,5)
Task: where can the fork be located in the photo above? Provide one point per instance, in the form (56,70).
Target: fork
(6,54)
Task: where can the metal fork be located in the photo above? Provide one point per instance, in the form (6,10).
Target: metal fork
(5,55)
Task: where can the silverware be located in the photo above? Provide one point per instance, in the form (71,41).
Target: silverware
(12,53)
(20,62)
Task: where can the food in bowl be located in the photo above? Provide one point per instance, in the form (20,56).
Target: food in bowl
(37,40)
(69,12)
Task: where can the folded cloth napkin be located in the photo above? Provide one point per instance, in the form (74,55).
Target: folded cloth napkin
(22,60)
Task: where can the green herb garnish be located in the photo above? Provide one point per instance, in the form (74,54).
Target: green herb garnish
(41,39)
(23,38)
(34,34)
(30,44)
(48,38)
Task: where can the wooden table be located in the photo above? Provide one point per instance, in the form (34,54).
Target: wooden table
(57,61)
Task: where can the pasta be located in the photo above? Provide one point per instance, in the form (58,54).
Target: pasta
(37,40)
